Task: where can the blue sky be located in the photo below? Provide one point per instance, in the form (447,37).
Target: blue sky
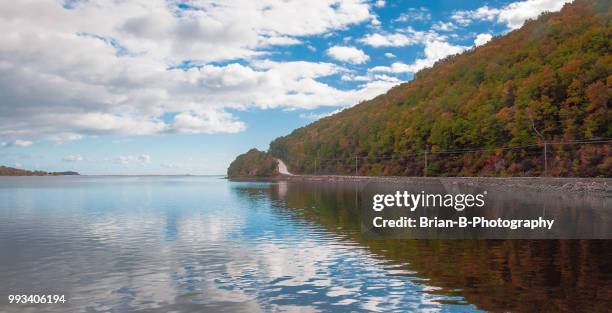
(177,87)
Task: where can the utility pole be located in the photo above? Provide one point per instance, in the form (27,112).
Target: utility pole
(356,165)
(545,159)
(425,168)
(543,141)
(317,162)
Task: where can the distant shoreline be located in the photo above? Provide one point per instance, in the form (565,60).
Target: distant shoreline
(11,171)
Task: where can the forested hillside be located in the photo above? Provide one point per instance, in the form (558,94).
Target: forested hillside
(488,111)
(254,163)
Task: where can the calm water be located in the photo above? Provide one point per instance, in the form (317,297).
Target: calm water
(198,244)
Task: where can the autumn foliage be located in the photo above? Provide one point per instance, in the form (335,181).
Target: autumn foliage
(253,164)
(493,107)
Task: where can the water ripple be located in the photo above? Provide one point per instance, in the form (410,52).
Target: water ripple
(189,245)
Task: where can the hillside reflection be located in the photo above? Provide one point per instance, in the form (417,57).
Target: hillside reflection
(494,275)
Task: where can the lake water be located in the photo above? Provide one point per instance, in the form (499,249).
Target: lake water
(199,244)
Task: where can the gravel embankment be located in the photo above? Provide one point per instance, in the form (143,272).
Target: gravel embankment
(594,186)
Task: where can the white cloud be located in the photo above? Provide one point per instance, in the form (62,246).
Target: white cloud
(382,40)
(63,137)
(22,143)
(379,4)
(389,55)
(444,27)
(380,68)
(123,159)
(376,84)
(371,77)
(404,37)
(414,14)
(375,21)
(483,13)
(513,14)
(17,143)
(106,67)
(348,54)
(349,77)
(279,41)
(481,39)
(210,122)
(142,159)
(462,18)
(72,158)
(314,116)
(434,51)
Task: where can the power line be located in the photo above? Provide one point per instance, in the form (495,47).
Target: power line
(382,157)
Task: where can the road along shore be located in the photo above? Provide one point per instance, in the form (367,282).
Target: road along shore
(592,186)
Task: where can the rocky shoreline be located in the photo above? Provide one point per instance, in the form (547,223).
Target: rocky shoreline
(591,186)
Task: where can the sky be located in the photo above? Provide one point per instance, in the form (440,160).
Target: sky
(183,87)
